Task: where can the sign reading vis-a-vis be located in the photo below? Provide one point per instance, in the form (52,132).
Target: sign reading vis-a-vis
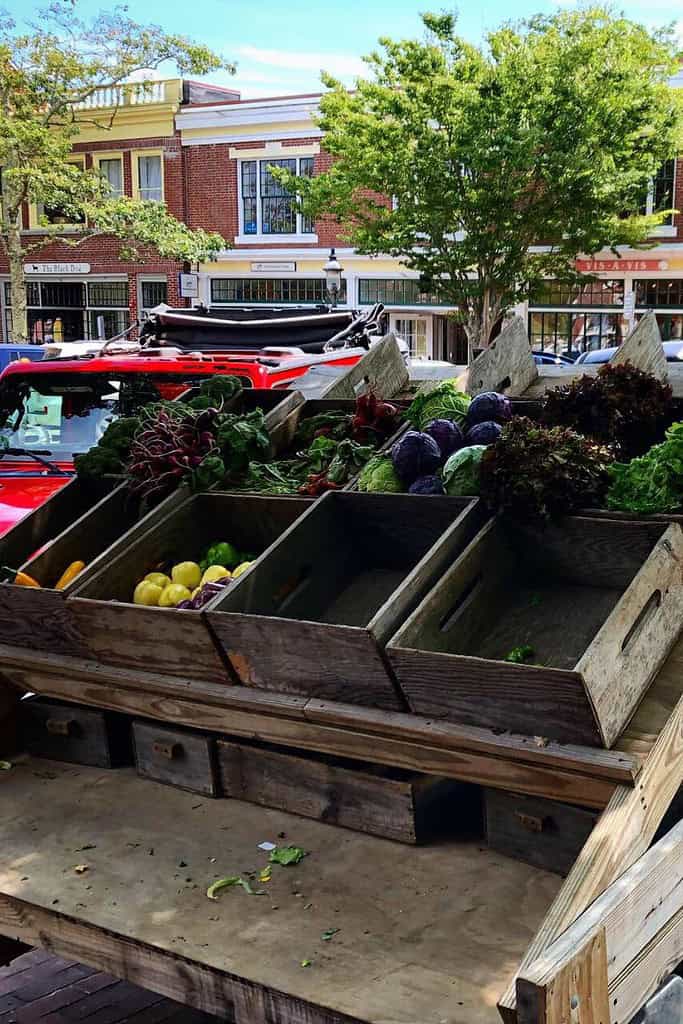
(56,268)
(627,266)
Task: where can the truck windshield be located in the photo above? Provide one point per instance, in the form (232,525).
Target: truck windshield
(65,414)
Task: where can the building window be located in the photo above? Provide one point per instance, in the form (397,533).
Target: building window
(589,293)
(414,333)
(68,310)
(108,293)
(660,195)
(111,169)
(116,321)
(573,333)
(661,292)
(149,184)
(56,215)
(267,207)
(397,291)
(276,290)
(153,293)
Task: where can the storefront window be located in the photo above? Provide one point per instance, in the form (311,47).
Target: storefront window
(573,333)
(660,292)
(272,289)
(153,294)
(589,293)
(395,291)
(267,207)
(68,310)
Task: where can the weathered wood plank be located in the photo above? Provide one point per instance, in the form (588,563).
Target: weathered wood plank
(643,348)
(623,833)
(578,993)
(506,365)
(382,364)
(640,919)
(225,709)
(177,757)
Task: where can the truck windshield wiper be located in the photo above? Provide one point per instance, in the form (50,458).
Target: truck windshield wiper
(38,456)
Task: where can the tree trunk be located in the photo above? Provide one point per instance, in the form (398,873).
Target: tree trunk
(15,256)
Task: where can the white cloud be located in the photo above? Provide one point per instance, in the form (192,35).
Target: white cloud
(343,65)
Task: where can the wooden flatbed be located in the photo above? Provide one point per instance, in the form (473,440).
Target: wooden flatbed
(426,935)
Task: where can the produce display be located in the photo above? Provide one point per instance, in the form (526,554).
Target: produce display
(328,450)
(652,482)
(445,402)
(192,584)
(23,579)
(169,443)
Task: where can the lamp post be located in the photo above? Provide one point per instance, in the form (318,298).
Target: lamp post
(333,275)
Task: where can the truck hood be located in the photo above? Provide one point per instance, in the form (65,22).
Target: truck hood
(21,493)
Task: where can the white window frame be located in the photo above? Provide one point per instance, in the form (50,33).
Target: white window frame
(143,311)
(410,314)
(243,239)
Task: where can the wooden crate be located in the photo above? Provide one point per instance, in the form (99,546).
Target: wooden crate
(599,602)
(80,735)
(177,757)
(393,803)
(165,640)
(545,833)
(313,617)
(30,616)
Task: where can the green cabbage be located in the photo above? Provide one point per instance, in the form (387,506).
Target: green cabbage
(444,402)
(461,472)
(378,474)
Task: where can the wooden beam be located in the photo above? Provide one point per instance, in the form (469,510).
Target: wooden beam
(177,977)
(383,364)
(636,929)
(573,774)
(623,833)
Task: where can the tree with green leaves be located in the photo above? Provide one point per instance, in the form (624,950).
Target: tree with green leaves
(550,132)
(48,74)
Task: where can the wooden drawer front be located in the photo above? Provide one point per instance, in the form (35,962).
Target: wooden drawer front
(68,732)
(177,757)
(544,833)
(394,804)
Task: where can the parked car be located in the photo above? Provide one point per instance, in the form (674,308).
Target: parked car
(673,350)
(551,359)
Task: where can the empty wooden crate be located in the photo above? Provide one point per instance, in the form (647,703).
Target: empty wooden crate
(170,640)
(73,733)
(556,632)
(389,802)
(313,617)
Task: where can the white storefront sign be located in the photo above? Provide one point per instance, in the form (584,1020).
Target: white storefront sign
(188,286)
(57,268)
(274,267)
(629,305)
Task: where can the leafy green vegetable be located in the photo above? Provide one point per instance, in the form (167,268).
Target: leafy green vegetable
(215,391)
(462,471)
(653,482)
(378,474)
(286,855)
(348,459)
(328,934)
(621,406)
(518,655)
(111,452)
(444,402)
(226,883)
(533,472)
(335,425)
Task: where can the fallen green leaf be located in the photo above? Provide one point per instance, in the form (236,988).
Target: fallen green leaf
(520,654)
(5,766)
(328,934)
(305,963)
(226,883)
(286,855)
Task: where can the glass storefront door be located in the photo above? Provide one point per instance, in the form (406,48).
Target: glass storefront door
(415,331)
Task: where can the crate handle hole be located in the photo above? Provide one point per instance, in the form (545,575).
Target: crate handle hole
(465,598)
(171,751)
(646,613)
(61,726)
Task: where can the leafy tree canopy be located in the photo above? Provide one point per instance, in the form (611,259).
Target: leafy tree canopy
(550,132)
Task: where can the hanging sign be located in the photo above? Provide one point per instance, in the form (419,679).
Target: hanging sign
(57,268)
(629,305)
(627,266)
(188,286)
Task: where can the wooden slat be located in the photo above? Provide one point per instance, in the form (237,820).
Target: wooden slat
(383,364)
(623,833)
(643,348)
(573,775)
(638,919)
(506,365)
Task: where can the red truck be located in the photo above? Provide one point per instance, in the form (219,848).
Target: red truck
(56,408)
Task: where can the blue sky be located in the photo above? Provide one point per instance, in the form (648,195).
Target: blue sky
(281,45)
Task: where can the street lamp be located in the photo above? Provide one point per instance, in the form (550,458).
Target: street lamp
(333,274)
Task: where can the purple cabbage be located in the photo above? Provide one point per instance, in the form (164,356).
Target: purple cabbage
(187,603)
(447,435)
(415,455)
(484,433)
(489,405)
(427,485)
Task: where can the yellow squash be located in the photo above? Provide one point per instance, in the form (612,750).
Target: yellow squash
(69,574)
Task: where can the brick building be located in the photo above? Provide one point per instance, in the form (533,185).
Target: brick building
(130,135)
